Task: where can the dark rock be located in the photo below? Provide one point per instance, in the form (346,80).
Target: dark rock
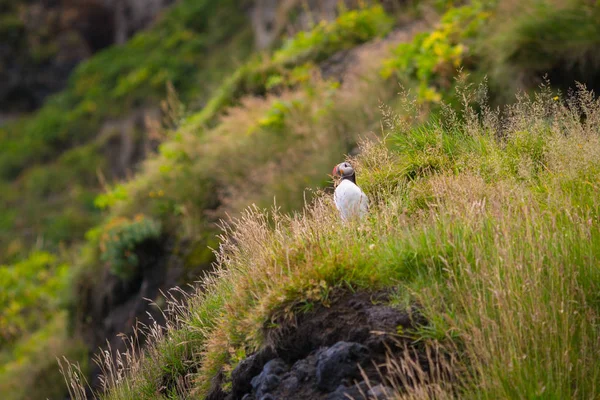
(349,392)
(352,319)
(250,367)
(304,370)
(380,392)
(338,363)
(290,383)
(269,378)
(317,355)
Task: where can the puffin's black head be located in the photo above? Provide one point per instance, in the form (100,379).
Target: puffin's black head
(344,171)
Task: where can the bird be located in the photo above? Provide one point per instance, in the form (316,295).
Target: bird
(349,199)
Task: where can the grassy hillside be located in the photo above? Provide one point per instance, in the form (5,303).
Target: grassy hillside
(50,163)
(176,202)
(489,223)
(483,221)
(47,284)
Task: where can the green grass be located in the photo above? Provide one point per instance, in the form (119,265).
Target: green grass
(497,244)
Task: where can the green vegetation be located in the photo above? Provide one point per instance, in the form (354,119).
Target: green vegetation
(481,217)
(57,154)
(289,65)
(486,219)
(432,58)
(119,239)
(555,38)
(30,292)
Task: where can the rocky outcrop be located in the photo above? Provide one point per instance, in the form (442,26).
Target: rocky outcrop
(331,353)
(128,140)
(132,15)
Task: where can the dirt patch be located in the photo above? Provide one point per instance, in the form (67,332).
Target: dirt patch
(325,353)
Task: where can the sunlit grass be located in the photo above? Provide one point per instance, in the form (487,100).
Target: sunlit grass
(497,245)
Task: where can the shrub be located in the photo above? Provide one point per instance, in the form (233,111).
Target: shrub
(433,59)
(119,238)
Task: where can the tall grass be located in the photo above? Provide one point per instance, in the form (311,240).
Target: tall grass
(489,221)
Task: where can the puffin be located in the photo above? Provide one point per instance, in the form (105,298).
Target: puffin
(349,199)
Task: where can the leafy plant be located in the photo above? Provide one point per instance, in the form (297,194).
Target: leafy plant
(348,29)
(433,58)
(118,241)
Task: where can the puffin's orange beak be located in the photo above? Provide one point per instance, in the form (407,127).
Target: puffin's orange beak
(336,171)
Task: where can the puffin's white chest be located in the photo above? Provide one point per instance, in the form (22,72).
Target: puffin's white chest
(350,200)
